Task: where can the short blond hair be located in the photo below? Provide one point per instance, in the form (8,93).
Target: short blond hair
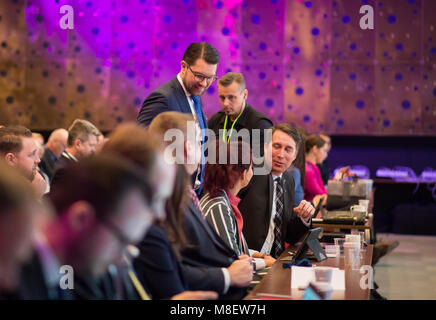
(231,77)
(81,129)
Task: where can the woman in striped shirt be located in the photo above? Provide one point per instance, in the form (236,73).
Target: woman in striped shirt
(222,183)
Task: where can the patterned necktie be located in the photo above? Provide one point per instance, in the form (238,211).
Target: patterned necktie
(202,127)
(277,247)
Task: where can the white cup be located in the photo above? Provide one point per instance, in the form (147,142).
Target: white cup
(323,274)
(352,255)
(332,251)
(364,203)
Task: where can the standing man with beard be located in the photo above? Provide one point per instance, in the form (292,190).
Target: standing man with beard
(237,115)
(182,93)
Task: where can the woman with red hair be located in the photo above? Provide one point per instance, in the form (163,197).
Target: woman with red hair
(223,180)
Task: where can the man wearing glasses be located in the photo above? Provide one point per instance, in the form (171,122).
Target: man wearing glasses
(198,71)
(236,114)
(182,93)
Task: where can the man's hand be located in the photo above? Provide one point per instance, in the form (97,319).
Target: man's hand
(305,210)
(241,272)
(196,295)
(269,261)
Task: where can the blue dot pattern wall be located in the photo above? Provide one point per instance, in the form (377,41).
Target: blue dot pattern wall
(305,62)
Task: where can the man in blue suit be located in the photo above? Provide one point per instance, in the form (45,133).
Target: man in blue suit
(182,93)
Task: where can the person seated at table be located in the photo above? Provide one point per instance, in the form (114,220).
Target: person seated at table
(158,265)
(316,149)
(267,203)
(208,263)
(18,201)
(222,183)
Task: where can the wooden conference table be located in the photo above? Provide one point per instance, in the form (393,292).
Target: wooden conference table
(278,279)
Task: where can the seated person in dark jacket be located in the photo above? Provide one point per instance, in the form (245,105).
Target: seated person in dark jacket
(55,146)
(17,207)
(81,144)
(102,206)
(268,205)
(236,115)
(208,263)
(158,265)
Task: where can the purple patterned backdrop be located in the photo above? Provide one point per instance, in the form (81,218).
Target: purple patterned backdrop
(305,62)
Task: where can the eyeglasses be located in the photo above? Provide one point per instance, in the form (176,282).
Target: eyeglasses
(200,78)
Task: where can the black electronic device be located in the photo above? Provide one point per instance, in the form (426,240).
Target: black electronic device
(310,241)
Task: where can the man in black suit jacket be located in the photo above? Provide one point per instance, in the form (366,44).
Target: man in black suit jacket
(236,114)
(267,205)
(208,264)
(81,143)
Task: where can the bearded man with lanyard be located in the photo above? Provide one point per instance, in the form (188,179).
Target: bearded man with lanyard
(236,114)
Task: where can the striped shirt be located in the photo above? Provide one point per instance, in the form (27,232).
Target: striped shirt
(218,212)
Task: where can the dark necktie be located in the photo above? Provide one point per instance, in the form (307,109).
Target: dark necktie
(202,127)
(277,247)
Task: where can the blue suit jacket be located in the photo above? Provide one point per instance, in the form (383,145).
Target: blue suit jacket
(208,253)
(168,97)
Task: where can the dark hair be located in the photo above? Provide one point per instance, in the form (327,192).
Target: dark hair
(81,129)
(175,210)
(312,141)
(201,50)
(300,160)
(230,77)
(15,191)
(10,138)
(102,181)
(290,131)
(224,176)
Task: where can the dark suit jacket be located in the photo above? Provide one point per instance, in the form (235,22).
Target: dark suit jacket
(168,97)
(158,267)
(33,286)
(47,164)
(250,119)
(202,262)
(59,170)
(256,206)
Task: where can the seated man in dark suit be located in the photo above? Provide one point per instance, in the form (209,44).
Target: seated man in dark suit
(102,206)
(55,146)
(17,207)
(81,143)
(267,205)
(208,263)
(157,266)
(237,114)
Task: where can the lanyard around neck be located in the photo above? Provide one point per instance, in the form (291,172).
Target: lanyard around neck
(231,129)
